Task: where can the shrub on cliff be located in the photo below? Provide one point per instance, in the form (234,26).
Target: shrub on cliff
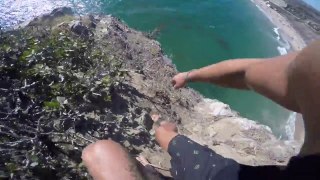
(56,91)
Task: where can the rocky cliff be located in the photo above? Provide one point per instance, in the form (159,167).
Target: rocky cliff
(68,81)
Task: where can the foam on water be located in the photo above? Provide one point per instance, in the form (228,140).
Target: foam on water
(276,30)
(284,46)
(14,12)
(290,126)
(260,8)
(283,50)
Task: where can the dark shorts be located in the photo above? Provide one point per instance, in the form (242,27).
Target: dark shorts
(191,161)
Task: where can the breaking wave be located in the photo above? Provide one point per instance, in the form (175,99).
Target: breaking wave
(14,12)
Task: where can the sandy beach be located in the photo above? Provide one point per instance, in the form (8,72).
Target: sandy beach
(295,30)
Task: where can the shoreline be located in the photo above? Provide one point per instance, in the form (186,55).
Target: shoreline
(298,23)
(296,28)
(287,32)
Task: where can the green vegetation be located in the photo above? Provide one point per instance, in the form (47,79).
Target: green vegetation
(51,82)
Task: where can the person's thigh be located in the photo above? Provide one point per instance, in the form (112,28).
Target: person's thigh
(106,159)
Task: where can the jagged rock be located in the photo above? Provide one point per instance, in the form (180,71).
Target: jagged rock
(145,120)
(126,144)
(61,12)
(54,15)
(79,28)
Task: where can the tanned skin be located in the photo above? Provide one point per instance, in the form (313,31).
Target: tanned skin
(292,80)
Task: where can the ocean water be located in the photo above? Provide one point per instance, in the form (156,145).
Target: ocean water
(313,3)
(193,34)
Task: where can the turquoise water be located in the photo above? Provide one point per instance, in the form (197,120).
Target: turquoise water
(313,3)
(194,34)
(199,33)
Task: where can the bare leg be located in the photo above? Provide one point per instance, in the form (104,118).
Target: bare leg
(106,159)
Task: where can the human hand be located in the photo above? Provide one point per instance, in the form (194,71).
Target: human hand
(179,80)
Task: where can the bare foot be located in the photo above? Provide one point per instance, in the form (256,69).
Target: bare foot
(141,159)
(163,123)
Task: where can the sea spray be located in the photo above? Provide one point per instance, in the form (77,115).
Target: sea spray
(276,30)
(13,13)
(284,44)
(282,50)
(290,126)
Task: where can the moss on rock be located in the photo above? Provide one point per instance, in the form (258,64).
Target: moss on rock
(50,80)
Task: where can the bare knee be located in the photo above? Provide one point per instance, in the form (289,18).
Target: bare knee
(106,159)
(99,149)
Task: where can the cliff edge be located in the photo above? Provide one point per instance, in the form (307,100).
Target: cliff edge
(68,81)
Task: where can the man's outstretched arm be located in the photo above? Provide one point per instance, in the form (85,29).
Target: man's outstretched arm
(268,77)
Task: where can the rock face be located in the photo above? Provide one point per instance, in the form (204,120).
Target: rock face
(143,88)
